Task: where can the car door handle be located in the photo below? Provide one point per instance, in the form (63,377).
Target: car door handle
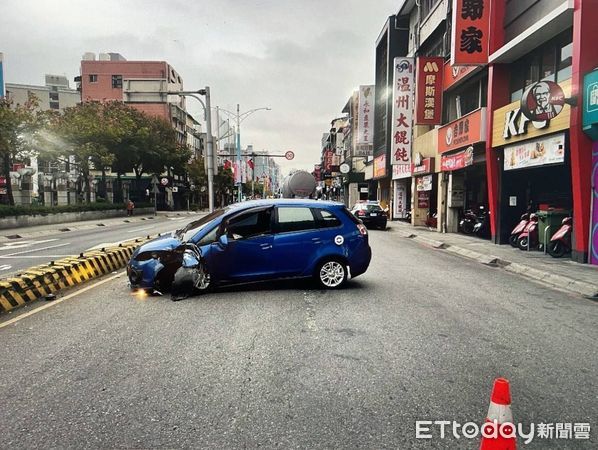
(316,240)
(265,246)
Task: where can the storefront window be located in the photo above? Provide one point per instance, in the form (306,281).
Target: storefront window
(548,64)
(465,99)
(555,57)
(565,61)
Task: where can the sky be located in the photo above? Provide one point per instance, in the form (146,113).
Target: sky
(301,58)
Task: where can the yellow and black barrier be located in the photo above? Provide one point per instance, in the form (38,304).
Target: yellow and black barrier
(41,281)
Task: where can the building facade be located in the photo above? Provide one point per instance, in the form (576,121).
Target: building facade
(55,94)
(508,137)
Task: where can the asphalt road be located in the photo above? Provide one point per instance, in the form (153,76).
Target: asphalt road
(420,336)
(19,254)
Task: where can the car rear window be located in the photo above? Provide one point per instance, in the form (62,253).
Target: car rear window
(373,208)
(326,219)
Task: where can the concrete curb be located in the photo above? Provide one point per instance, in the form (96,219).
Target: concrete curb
(41,281)
(578,287)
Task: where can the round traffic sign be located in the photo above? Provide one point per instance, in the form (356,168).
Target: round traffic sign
(164,181)
(289,155)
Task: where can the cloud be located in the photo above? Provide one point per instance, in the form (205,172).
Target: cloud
(301,58)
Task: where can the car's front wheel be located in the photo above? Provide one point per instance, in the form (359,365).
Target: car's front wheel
(331,274)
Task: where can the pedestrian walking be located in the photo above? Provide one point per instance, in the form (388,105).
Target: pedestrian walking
(130,207)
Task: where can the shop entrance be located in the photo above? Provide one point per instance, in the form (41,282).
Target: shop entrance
(426,200)
(533,189)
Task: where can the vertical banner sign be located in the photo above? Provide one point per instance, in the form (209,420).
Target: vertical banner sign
(594,222)
(471,29)
(366,115)
(1,75)
(400,200)
(428,104)
(402,112)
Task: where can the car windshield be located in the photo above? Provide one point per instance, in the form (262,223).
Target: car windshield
(195,227)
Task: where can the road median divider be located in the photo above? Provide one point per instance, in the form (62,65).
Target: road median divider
(44,280)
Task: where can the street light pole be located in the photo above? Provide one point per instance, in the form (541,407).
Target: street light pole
(240,184)
(240,118)
(210,139)
(210,151)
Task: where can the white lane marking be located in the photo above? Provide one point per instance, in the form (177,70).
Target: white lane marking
(56,302)
(35,250)
(21,244)
(5,267)
(139,229)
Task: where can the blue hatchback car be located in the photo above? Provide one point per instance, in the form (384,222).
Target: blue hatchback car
(261,240)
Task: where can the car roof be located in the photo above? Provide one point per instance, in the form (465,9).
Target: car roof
(284,202)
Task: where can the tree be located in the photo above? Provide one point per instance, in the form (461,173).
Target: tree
(18,128)
(91,134)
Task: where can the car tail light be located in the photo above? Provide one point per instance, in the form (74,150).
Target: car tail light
(361,212)
(362,229)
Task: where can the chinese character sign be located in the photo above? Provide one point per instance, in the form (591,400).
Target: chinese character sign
(365,124)
(402,111)
(471,28)
(428,104)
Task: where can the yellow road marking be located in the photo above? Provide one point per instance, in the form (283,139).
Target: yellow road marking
(56,302)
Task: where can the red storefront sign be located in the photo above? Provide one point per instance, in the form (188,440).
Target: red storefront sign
(423,199)
(380,166)
(454,74)
(2,181)
(425,167)
(471,29)
(328,154)
(428,100)
(467,130)
(456,161)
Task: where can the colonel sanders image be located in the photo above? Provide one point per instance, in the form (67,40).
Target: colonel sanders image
(544,109)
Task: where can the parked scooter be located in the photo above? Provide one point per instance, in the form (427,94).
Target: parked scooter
(482,226)
(529,238)
(468,222)
(560,242)
(478,224)
(432,220)
(518,230)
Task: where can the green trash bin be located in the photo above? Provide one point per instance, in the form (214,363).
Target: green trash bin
(549,223)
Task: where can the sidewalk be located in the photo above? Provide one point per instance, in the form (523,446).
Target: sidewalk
(45,230)
(560,273)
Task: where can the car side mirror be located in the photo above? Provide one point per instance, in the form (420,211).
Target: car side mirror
(223,240)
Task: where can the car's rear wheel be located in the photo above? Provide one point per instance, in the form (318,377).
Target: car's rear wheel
(331,273)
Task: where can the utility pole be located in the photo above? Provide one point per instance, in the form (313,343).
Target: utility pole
(210,150)
(240,183)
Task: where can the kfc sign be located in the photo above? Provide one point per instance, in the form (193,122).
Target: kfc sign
(428,106)
(471,29)
(542,101)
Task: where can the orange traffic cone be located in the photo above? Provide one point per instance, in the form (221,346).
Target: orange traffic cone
(498,433)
